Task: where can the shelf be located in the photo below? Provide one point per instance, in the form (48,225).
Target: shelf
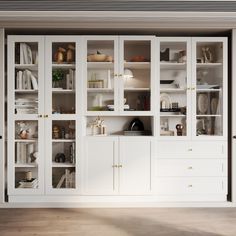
(100,65)
(137,65)
(63,66)
(26,140)
(208,65)
(172,66)
(63,140)
(162,115)
(26,91)
(26,66)
(208,90)
(26,165)
(136,89)
(63,91)
(65,164)
(172,90)
(100,90)
(208,115)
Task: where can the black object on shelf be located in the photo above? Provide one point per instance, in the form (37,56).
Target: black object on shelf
(136,125)
(0,136)
(165,54)
(170,109)
(168,81)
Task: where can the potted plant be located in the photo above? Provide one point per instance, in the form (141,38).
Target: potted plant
(57,77)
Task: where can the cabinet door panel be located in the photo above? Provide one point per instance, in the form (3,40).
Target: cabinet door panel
(99,171)
(135,162)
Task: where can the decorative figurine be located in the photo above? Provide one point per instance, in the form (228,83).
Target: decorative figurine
(70,54)
(24,131)
(56,132)
(33,157)
(60,158)
(59,55)
(207,55)
(98,127)
(179,128)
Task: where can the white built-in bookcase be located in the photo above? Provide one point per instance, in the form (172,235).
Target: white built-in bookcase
(175,81)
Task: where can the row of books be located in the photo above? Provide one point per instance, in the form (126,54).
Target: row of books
(23,152)
(26,80)
(27,105)
(68,179)
(33,183)
(27,55)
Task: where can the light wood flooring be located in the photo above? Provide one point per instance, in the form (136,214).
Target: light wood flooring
(119,222)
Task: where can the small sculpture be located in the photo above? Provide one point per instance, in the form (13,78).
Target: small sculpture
(33,157)
(56,132)
(60,158)
(98,127)
(70,54)
(59,55)
(179,128)
(24,131)
(207,55)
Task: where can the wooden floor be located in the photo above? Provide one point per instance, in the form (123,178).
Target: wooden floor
(117,222)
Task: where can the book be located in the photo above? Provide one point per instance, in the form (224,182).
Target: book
(34,82)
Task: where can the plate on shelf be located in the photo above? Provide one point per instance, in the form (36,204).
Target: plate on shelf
(169,81)
(203,103)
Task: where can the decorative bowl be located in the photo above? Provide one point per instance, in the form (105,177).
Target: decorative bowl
(97,58)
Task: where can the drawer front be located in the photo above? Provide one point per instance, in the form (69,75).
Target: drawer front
(190,167)
(194,149)
(190,185)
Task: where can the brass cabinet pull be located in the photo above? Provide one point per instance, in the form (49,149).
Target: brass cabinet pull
(120,166)
(190,185)
(114,166)
(40,116)
(190,167)
(45,116)
(188,88)
(190,149)
(193,88)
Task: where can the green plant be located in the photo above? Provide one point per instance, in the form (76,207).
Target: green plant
(57,75)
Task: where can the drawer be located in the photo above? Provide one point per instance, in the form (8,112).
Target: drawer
(178,148)
(190,185)
(190,167)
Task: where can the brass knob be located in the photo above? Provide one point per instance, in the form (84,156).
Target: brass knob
(190,149)
(115,75)
(40,116)
(190,185)
(120,166)
(45,116)
(193,88)
(114,166)
(188,88)
(120,75)
(190,167)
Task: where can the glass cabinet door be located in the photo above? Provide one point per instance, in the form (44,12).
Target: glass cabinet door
(25,109)
(174,82)
(209,87)
(62,113)
(101,74)
(136,73)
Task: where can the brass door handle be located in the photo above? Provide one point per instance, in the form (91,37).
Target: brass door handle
(40,116)
(120,166)
(45,116)
(114,166)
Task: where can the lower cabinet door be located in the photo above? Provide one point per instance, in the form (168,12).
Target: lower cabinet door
(99,171)
(135,165)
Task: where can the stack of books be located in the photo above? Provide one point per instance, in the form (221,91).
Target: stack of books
(33,183)
(23,151)
(68,178)
(26,105)
(26,80)
(27,56)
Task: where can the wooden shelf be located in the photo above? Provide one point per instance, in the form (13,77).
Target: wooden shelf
(63,66)
(26,91)
(63,91)
(100,65)
(26,140)
(137,65)
(65,164)
(209,65)
(26,66)
(172,66)
(136,89)
(26,165)
(172,90)
(100,90)
(63,140)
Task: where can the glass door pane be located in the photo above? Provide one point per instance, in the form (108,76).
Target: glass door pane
(63,156)
(209,88)
(173,88)
(63,78)
(136,75)
(100,75)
